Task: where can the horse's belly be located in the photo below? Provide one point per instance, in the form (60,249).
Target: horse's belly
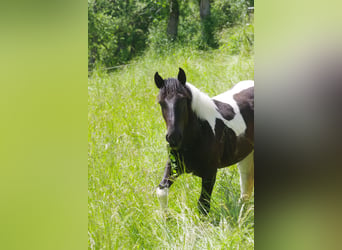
(233,154)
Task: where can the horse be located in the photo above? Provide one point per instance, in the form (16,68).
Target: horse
(205,134)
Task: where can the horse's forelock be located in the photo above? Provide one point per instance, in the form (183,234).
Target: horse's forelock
(173,87)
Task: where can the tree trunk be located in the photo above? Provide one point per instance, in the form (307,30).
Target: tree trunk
(172,26)
(204,9)
(206,22)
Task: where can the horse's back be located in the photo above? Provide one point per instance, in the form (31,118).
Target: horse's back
(241,100)
(227,96)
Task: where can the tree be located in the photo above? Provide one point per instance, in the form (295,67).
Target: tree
(204,9)
(207,24)
(172,26)
(118,30)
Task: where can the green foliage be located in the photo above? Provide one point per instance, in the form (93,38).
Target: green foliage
(237,40)
(228,13)
(117,30)
(127,154)
(189,30)
(120,30)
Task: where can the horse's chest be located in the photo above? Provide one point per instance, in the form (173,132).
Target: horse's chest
(198,162)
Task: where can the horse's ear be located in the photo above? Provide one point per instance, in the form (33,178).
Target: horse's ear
(181,76)
(158,80)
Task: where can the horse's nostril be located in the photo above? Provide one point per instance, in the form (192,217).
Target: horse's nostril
(173,139)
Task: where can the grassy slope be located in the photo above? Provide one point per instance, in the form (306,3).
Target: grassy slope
(127,153)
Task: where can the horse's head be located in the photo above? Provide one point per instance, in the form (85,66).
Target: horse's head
(175,102)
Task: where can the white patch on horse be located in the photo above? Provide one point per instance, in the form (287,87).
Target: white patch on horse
(205,108)
(162,196)
(237,123)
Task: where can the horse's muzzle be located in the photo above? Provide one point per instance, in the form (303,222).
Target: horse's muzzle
(174,139)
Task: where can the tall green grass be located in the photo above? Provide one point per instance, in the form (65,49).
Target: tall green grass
(127,154)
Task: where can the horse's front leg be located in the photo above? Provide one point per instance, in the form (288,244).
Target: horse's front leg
(164,185)
(207,189)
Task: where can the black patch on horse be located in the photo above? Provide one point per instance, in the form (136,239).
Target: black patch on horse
(245,102)
(225,110)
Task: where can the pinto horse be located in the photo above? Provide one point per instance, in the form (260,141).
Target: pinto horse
(205,134)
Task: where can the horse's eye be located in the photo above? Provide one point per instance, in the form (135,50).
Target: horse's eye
(162,104)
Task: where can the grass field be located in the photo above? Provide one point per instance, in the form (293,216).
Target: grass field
(127,154)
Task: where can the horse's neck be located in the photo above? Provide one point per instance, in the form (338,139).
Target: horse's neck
(193,131)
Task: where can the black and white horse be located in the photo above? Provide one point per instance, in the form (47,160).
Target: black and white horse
(205,134)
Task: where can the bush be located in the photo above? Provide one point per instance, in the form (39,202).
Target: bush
(120,30)
(117,30)
(237,40)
